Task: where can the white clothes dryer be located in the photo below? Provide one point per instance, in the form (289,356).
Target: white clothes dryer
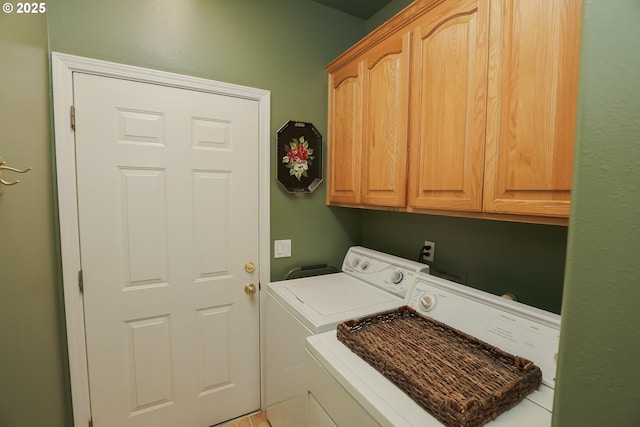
(345,391)
(370,281)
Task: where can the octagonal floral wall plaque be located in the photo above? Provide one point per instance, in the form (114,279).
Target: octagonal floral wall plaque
(299,164)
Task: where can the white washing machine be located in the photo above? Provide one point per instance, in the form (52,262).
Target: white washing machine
(345,391)
(369,282)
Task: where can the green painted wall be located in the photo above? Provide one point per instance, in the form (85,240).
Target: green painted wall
(495,256)
(386,12)
(33,376)
(598,373)
(281,46)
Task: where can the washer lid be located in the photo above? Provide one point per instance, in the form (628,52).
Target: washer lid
(321,302)
(337,296)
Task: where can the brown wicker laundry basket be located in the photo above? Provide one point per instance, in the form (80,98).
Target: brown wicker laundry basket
(459,379)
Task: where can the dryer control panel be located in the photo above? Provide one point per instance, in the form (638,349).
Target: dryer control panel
(388,272)
(514,327)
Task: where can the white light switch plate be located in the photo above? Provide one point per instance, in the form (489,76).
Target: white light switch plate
(282,248)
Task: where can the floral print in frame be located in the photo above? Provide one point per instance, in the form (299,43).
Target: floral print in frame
(299,167)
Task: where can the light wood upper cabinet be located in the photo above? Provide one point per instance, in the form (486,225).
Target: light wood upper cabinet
(345,130)
(385,122)
(476,99)
(531,111)
(368,126)
(448,98)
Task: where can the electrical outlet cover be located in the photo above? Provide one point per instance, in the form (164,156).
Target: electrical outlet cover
(431,253)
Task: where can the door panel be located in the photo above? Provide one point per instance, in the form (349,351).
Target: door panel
(345,134)
(449,81)
(168,212)
(385,122)
(533,86)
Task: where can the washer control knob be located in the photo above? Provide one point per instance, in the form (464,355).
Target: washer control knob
(355,261)
(428,302)
(365,265)
(396,277)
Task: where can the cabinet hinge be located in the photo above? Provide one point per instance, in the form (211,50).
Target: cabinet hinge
(72,117)
(90,422)
(81,286)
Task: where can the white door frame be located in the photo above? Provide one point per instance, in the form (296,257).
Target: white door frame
(62,67)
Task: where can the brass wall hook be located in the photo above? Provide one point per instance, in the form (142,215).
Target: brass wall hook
(3,167)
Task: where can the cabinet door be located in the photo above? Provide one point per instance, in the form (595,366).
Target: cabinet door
(345,139)
(448,91)
(533,81)
(385,81)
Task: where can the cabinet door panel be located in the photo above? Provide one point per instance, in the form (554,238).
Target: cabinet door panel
(345,117)
(533,82)
(448,114)
(385,122)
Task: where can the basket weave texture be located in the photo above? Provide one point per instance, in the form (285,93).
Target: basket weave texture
(459,379)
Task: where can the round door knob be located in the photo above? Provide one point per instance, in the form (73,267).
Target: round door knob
(249,267)
(250,289)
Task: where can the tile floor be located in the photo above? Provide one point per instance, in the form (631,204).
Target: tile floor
(258,419)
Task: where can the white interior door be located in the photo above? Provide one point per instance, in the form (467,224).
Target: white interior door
(168,218)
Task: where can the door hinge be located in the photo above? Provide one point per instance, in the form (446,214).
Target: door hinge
(81,284)
(90,422)
(72,117)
